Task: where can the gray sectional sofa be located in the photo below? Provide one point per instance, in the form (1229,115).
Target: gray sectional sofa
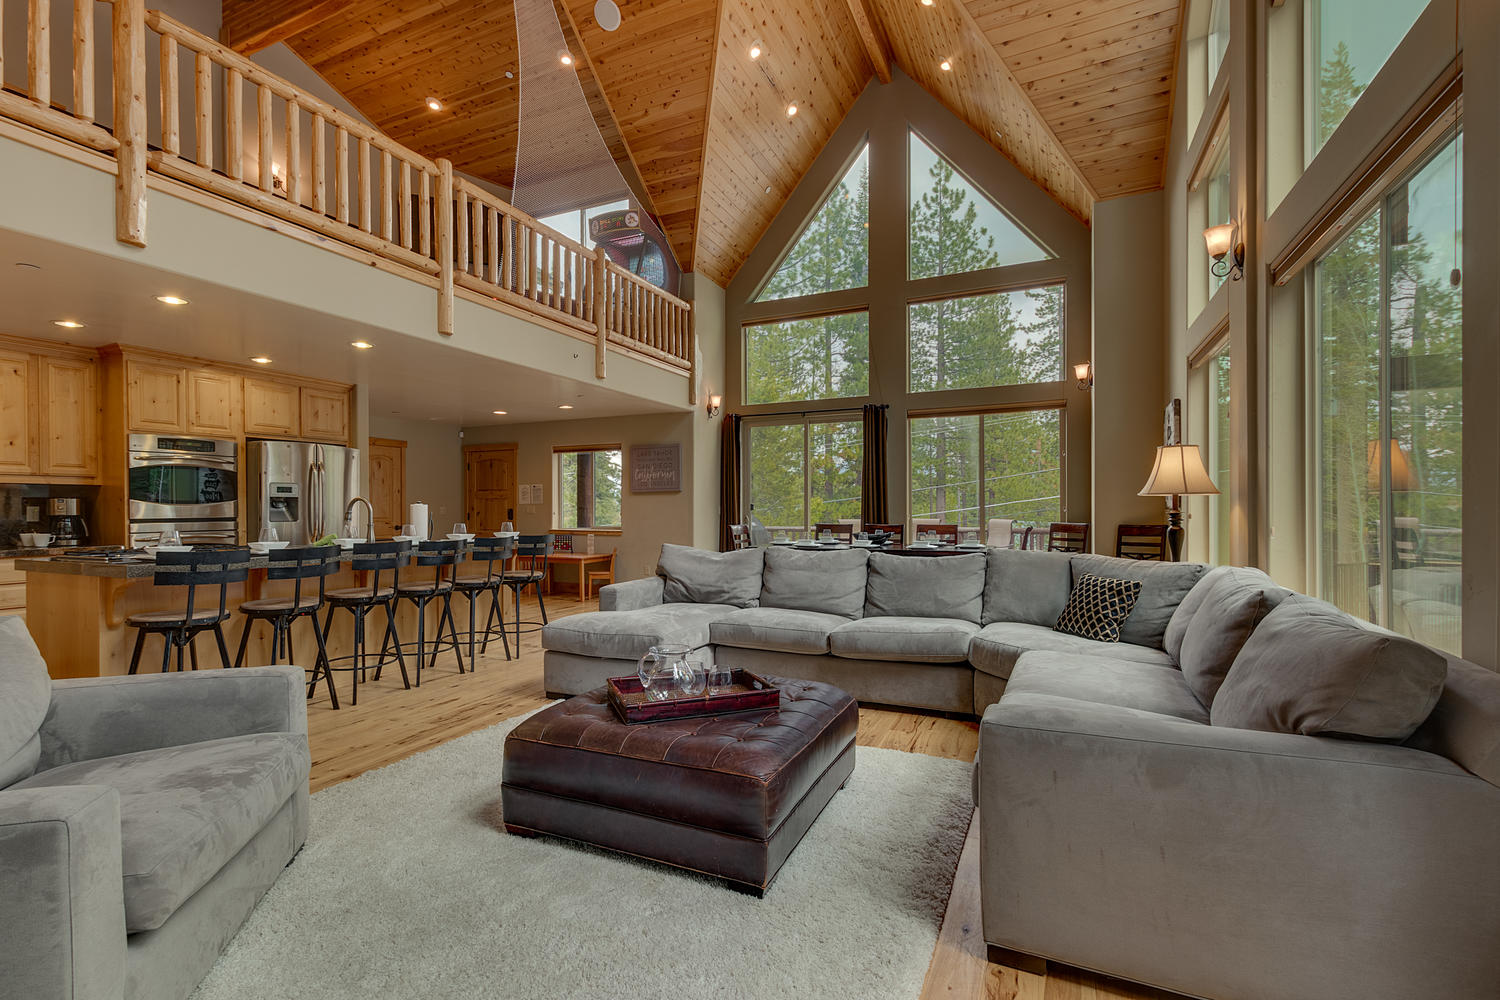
(141,819)
(1251,796)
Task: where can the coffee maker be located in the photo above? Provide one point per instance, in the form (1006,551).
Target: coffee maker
(65,521)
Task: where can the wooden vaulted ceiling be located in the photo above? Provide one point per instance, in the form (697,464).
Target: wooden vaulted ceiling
(1077,93)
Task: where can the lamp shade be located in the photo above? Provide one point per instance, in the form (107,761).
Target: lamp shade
(1178,470)
(1219,240)
(1403,477)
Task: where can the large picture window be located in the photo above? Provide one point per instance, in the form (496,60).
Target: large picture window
(804,473)
(1390,410)
(833,252)
(979,341)
(967,468)
(825,357)
(588,487)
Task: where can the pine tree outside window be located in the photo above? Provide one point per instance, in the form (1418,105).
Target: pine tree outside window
(969,467)
(805,472)
(825,357)
(833,252)
(979,341)
(589,482)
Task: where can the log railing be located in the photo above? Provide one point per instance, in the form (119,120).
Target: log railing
(229,127)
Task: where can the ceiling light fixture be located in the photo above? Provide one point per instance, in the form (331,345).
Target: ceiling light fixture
(565,57)
(172,300)
(791,111)
(498,413)
(945,65)
(607,14)
(363,345)
(261,359)
(68,324)
(565,406)
(757,49)
(927,3)
(433,104)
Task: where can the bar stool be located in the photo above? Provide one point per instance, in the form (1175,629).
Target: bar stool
(489,551)
(306,562)
(191,569)
(530,570)
(375,558)
(438,555)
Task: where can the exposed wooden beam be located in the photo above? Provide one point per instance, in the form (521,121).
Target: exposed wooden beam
(873,37)
(708,118)
(251,25)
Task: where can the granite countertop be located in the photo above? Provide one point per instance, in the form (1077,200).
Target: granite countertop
(21,552)
(142,569)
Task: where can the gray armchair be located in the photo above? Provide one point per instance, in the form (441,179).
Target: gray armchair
(141,820)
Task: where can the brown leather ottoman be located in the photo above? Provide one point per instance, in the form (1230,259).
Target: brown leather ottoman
(729,795)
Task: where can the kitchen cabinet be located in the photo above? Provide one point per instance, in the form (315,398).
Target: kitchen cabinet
(70,417)
(325,414)
(155,398)
(17,410)
(12,589)
(213,403)
(272,409)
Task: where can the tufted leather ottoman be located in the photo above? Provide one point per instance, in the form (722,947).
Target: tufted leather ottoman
(729,796)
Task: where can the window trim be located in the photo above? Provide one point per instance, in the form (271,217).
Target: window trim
(574,449)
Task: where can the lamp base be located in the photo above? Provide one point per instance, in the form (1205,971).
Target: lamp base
(1176,533)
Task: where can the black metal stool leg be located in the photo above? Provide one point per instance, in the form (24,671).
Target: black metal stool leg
(239,659)
(474,596)
(192,649)
(166,651)
(498,608)
(223,647)
(333,696)
(539,602)
(421,635)
(394,638)
(140,643)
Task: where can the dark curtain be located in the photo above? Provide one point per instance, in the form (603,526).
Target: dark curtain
(729,480)
(874,499)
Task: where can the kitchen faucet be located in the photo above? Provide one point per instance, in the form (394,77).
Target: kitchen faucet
(369,518)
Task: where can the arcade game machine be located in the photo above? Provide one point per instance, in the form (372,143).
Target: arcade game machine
(620,235)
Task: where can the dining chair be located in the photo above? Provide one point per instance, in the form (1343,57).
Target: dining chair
(490,552)
(370,561)
(739,536)
(442,556)
(1068,536)
(532,552)
(896,531)
(304,562)
(997,533)
(1141,541)
(178,629)
(842,531)
(599,577)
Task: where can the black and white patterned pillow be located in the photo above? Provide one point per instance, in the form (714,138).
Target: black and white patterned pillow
(1098,606)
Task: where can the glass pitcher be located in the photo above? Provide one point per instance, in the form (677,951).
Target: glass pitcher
(666,671)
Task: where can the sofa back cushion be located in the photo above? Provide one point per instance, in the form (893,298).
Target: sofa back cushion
(926,586)
(1026,586)
(1163,586)
(1312,670)
(830,582)
(1465,725)
(25,694)
(697,576)
(1231,602)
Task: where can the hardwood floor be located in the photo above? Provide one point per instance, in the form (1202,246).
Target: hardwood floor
(390,723)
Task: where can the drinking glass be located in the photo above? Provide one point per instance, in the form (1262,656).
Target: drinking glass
(507,528)
(826,536)
(720,677)
(169,536)
(781,536)
(409,532)
(347,531)
(459,528)
(267,533)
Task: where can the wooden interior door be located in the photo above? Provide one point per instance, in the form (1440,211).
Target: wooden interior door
(489,486)
(387,484)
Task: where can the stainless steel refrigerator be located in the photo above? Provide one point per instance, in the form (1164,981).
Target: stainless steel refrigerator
(301,489)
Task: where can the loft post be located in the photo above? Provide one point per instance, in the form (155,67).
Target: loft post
(128,24)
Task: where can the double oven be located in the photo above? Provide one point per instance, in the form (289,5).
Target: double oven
(189,485)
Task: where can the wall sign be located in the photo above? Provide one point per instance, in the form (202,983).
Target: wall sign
(656,468)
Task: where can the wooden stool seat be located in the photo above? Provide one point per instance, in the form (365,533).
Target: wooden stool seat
(276,604)
(160,618)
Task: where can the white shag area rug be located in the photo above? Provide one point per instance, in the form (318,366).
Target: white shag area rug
(409,887)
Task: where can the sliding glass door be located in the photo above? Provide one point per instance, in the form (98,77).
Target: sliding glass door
(1390,409)
(969,467)
(803,473)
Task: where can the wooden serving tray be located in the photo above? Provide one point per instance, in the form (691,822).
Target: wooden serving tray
(746,692)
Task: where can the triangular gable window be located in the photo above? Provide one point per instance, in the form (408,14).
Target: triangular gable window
(833,252)
(955,227)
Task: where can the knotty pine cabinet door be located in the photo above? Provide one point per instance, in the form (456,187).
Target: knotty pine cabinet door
(213,404)
(272,409)
(325,415)
(17,415)
(70,417)
(155,398)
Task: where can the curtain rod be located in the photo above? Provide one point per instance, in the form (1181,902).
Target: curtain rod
(804,413)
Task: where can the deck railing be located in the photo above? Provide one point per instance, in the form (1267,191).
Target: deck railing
(231,128)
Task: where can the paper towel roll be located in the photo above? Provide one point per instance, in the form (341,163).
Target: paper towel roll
(416,516)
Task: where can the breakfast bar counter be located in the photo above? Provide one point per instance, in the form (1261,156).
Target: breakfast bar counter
(76,612)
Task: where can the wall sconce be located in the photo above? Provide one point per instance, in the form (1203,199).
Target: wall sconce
(715,403)
(278,183)
(1084,373)
(1222,242)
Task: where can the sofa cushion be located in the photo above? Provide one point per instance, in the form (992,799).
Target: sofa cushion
(777,629)
(1097,606)
(926,586)
(996,648)
(1163,586)
(1181,618)
(25,693)
(697,576)
(830,582)
(1026,585)
(1311,669)
(1234,600)
(185,811)
(626,635)
(896,637)
(1147,687)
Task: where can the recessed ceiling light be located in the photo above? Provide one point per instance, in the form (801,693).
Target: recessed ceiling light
(509,75)
(434,104)
(757,49)
(607,14)
(768,189)
(565,406)
(70,324)
(927,3)
(261,359)
(791,110)
(363,345)
(172,300)
(945,65)
(565,57)
(498,413)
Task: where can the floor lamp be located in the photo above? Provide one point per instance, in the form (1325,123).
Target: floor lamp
(1178,472)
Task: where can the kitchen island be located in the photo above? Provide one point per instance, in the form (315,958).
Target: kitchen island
(76,612)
